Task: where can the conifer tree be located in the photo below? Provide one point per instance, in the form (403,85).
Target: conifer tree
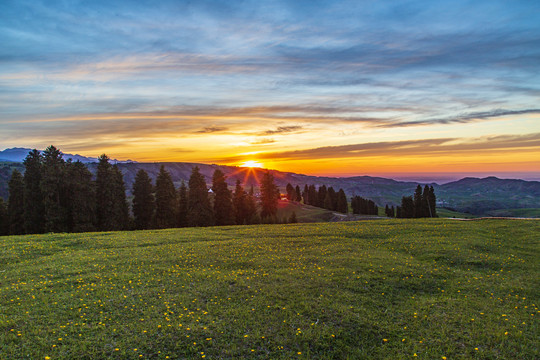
(342,205)
(182,211)
(240,199)
(33,198)
(418,203)
(269,196)
(104,195)
(16,203)
(291,192)
(166,203)
(432,202)
(252,216)
(313,196)
(305,194)
(333,198)
(55,192)
(298,194)
(223,206)
(4,219)
(121,210)
(143,200)
(81,204)
(321,196)
(199,208)
(328,201)
(407,207)
(112,211)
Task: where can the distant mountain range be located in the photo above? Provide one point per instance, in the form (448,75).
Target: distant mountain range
(486,196)
(19,154)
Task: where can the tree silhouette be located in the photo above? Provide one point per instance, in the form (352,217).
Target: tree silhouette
(81,198)
(342,205)
(143,200)
(223,206)
(269,196)
(16,203)
(166,205)
(54,189)
(199,209)
(33,197)
(182,211)
(4,218)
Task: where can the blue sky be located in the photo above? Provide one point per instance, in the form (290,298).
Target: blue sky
(222,81)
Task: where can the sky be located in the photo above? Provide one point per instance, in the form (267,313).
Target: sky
(342,88)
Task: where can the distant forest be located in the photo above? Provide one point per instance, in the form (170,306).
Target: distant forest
(55,195)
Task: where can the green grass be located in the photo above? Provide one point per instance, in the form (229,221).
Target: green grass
(386,289)
(528,213)
(446,213)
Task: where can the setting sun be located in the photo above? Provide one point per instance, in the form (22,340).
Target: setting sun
(252,164)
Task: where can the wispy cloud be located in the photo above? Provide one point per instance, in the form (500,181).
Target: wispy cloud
(425,147)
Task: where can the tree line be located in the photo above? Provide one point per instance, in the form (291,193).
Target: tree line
(55,195)
(323,197)
(421,204)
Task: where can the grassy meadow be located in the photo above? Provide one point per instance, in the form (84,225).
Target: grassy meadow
(395,289)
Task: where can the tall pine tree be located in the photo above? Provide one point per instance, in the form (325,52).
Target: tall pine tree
(55,192)
(269,197)
(112,211)
(342,205)
(223,206)
(143,200)
(240,204)
(165,216)
(4,219)
(199,208)
(34,221)
(16,203)
(121,209)
(418,203)
(182,211)
(81,204)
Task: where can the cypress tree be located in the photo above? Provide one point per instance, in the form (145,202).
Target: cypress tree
(321,196)
(342,205)
(407,207)
(81,204)
(55,192)
(298,194)
(418,203)
(333,198)
(182,212)
(143,200)
(223,206)
(166,203)
(269,197)
(16,203)
(4,219)
(426,210)
(199,209)
(291,192)
(432,202)
(305,195)
(33,197)
(313,195)
(328,204)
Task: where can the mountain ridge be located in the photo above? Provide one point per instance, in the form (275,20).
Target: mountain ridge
(478,196)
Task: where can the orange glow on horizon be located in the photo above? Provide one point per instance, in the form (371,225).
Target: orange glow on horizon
(252,164)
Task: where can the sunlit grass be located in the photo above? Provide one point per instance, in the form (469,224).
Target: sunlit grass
(372,289)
